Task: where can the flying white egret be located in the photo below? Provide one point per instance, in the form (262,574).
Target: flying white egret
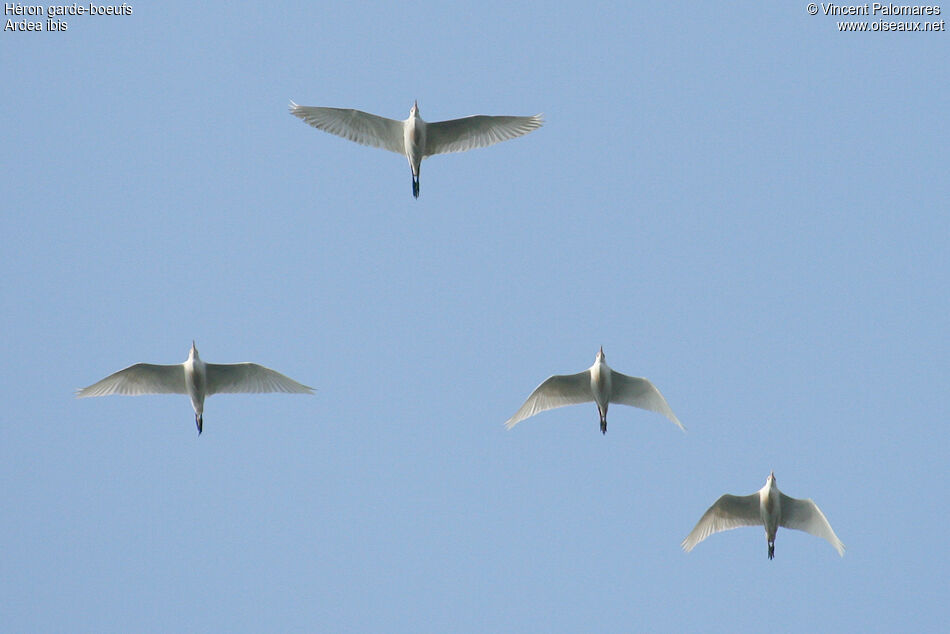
(414,138)
(599,384)
(768,507)
(195,378)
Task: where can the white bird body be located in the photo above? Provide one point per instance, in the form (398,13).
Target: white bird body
(414,138)
(600,384)
(196,382)
(768,507)
(195,378)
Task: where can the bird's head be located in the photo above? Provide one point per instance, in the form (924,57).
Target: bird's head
(193,353)
(771,478)
(600,354)
(414,111)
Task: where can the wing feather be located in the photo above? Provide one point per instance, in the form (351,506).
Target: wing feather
(804,515)
(556,391)
(729,511)
(141,378)
(362,127)
(234,378)
(639,392)
(458,135)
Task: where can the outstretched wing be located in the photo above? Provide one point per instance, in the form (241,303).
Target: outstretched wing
(249,378)
(355,125)
(141,378)
(557,391)
(804,515)
(639,392)
(458,135)
(729,511)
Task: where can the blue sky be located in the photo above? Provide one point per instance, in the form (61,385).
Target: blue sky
(740,203)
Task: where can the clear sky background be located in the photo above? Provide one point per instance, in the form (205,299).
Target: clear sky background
(738,202)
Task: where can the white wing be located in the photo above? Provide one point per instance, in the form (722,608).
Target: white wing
(249,377)
(804,515)
(355,125)
(458,135)
(729,511)
(141,378)
(557,391)
(638,392)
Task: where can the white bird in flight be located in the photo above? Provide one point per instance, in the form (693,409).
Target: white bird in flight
(767,507)
(195,378)
(599,384)
(414,138)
